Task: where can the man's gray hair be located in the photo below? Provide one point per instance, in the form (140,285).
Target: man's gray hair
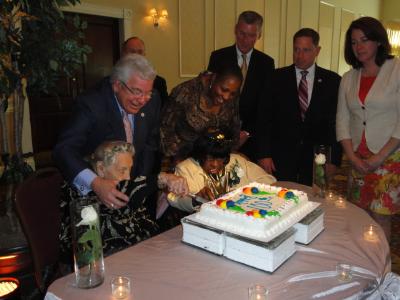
(132,64)
(107,151)
(251,17)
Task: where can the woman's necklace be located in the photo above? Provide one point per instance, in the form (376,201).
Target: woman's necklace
(217,183)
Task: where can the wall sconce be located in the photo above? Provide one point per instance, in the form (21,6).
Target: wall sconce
(394,37)
(157,16)
(393,32)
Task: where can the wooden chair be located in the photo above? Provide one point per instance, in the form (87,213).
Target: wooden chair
(37,202)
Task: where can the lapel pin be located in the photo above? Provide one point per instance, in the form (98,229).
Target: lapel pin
(319,80)
(142,114)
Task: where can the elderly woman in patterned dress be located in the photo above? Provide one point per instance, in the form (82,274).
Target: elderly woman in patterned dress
(125,226)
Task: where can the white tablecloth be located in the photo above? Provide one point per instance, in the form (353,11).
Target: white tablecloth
(165,268)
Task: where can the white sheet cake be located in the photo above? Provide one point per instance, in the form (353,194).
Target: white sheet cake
(256,211)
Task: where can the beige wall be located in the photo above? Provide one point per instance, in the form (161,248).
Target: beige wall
(179,48)
(391,10)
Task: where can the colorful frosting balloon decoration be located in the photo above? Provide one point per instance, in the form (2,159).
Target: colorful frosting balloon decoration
(247,191)
(255,213)
(281,193)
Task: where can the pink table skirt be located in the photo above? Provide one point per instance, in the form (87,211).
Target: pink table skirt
(165,268)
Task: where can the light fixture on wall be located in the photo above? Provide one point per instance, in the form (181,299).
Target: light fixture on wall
(157,16)
(393,31)
(394,38)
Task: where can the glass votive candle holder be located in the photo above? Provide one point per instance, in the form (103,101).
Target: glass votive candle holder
(331,196)
(340,202)
(257,292)
(120,287)
(344,272)
(371,233)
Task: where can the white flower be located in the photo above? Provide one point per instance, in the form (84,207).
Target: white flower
(320,159)
(88,215)
(381,172)
(239,172)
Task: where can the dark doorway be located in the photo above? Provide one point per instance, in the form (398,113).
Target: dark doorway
(48,113)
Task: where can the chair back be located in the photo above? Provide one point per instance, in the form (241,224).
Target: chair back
(38,206)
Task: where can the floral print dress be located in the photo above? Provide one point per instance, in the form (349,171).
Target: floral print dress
(378,191)
(183,119)
(120,228)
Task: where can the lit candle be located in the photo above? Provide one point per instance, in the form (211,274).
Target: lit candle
(340,203)
(120,287)
(370,233)
(343,272)
(257,292)
(121,292)
(330,196)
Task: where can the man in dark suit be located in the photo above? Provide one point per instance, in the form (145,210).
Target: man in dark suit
(300,114)
(122,107)
(257,68)
(136,45)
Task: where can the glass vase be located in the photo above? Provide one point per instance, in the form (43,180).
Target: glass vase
(86,242)
(322,157)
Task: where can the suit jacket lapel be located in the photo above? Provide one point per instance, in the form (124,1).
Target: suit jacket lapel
(115,119)
(137,131)
(233,54)
(316,90)
(253,62)
(292,85)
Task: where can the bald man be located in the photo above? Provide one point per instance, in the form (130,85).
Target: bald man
(136,45)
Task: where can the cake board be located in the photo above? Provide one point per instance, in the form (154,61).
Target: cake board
(310,226)
(203,236)
(266,256)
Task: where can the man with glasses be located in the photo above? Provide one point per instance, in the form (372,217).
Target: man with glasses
(121,107)
(136,45)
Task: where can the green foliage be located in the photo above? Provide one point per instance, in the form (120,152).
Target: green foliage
(45,48)
(91,246)
(320,175)
(15,170)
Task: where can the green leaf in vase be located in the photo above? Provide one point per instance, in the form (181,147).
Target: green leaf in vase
(85,258)
(319,170)
(89,235)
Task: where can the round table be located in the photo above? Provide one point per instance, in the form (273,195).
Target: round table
(165,268)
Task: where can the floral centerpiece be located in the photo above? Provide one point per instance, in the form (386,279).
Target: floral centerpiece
(87,244)
(320,178)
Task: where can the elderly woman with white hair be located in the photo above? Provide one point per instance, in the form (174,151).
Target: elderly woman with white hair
(123,226)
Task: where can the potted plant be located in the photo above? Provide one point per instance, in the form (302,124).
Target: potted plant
(37,48)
